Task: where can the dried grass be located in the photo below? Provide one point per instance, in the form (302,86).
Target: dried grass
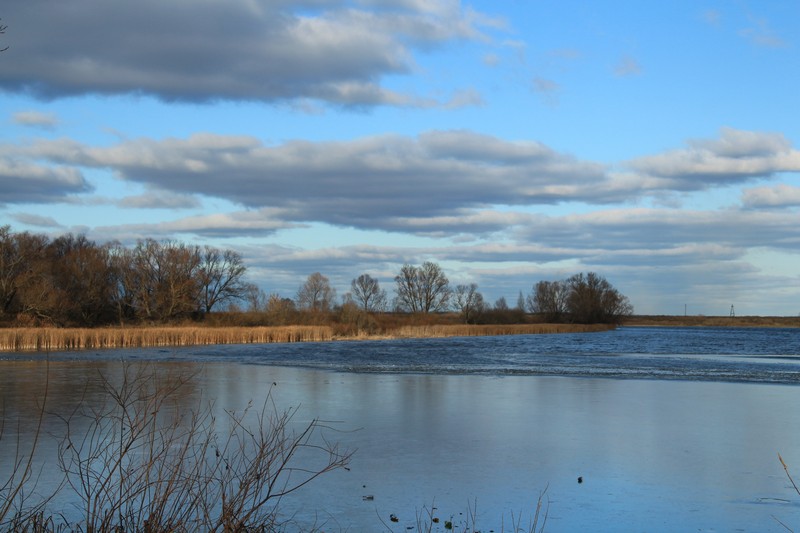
(470,330)
(57,339)
(60,339)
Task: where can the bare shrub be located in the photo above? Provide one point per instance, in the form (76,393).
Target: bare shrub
(136,463)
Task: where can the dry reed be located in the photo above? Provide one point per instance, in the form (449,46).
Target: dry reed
(61,339)
(470,330)
(55,339)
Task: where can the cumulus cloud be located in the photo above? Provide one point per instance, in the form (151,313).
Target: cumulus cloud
(373,182)
(36,119)
(28,182)
(439,183)
(760,33)
(623,231)
(245,223)
(781,195)
(548,89)
(40,221)
(735,157)
(279,50)
(159,200)
(627,66)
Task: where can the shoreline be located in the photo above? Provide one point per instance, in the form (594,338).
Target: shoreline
(45,339)
(68,339)
(712,321)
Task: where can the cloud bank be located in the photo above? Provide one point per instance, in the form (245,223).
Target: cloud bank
(338,52)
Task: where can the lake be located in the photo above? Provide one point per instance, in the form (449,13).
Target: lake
(669,429)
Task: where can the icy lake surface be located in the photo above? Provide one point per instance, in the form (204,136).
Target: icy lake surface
(670,429)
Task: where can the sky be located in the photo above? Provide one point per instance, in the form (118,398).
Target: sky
(513,141)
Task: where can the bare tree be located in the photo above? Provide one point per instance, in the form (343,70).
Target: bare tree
(280,311)
(221,277)
(367,293)
(316,294)
(82,281)
(592,299)
(501,304)
(549,299)
(166,279)
(22,258)
(469,301)
(582,298)
(422,289)
(255,297)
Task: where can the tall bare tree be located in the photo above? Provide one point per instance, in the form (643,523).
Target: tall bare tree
(221,276)
(23,273)
(366,292)
(469,301)
(549,299)
(582,298)
(593,299)
(422,289)
(82,280)
(166,279)
(316,294)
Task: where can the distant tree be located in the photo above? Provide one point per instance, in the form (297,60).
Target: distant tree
(500,304)
(255,298)
(367,293)
(520,302)
(582,298)
(592,299)
(549,299)
(20,255)
(83,281)
(221,276)
(469,302)
(280,311)
(165,280)
(422,289)
(316,294)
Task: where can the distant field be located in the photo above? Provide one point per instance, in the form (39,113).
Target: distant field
(726,321)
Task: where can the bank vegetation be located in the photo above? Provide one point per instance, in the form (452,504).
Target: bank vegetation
(62,339)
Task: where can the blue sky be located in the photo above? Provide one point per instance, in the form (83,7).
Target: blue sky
(655,143)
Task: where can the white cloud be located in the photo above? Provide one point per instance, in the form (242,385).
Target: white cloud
(761,34)
(336,52)
(548,89)
(25,181)
(36,119)
(41,221)
(159,200)
(370,182)
(627,66)
(245,223)
(781,195)
(737,156)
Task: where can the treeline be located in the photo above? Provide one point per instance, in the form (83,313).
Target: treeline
(73,281)
(425,289)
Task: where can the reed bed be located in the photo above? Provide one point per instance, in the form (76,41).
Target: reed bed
(58,339)
(62,339)
(476,330)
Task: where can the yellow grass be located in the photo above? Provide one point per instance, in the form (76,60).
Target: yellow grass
(44,339)
(468,330)
(58,339)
